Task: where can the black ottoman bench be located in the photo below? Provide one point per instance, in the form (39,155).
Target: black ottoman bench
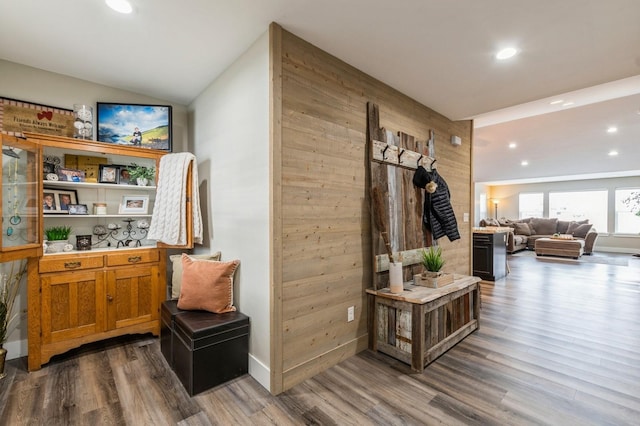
(210,349)
(168,311)
(204,349)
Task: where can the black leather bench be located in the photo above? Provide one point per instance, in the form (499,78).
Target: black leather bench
(204,349)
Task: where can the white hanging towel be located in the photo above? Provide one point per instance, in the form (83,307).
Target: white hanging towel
(169,219)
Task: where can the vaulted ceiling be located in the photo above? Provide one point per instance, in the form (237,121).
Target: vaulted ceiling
(440,53)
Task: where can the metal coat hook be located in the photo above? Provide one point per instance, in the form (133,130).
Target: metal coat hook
(400,155)
(384,152)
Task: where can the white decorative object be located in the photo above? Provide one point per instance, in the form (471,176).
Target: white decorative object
(396,283)
(83,121)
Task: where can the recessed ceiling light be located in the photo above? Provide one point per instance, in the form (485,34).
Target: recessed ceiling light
(556,102)
(122,6)
(524,163)
(613,153)
(512,145)
(506,53)
(612,129)
(568,103)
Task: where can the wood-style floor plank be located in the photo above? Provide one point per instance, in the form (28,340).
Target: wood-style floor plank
(559,343)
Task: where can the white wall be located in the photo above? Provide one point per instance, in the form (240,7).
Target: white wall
(42,87)
(508,207)
(230,136)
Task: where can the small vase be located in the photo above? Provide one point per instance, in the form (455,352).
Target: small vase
(142,181)
(3,357)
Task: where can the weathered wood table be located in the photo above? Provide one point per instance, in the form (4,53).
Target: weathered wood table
(421,323)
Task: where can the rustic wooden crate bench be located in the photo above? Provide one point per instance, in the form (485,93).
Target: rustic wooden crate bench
(421,323)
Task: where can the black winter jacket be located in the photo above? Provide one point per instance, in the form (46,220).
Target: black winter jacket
(437,214)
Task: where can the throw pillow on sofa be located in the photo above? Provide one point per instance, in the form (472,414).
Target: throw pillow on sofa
(579,230)
(490,222)
(521,228)
(563,225)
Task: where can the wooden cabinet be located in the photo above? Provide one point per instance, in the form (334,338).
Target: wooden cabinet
(83,296)
(490,255)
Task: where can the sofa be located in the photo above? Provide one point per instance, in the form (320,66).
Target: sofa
(525,232)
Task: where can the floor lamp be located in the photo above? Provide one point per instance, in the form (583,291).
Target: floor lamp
(495,203)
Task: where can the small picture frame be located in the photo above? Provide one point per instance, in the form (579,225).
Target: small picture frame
(108,173)
(58,200)
(71,175)
(134,204)
(123,176)
(78,209)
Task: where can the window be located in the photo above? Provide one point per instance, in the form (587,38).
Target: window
(580,205)
(530,205)
(628,211)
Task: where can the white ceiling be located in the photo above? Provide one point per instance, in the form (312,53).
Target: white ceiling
(439,52)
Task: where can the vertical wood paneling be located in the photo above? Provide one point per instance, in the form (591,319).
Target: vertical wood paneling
(321,227)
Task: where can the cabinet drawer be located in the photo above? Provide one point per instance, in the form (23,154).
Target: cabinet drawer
(70,263)
(132,258)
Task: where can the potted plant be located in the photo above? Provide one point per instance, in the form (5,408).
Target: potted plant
(141,174)
(57,238)
(9,288)
(433,262)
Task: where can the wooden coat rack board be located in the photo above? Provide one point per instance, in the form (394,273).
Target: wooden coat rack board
(393,160)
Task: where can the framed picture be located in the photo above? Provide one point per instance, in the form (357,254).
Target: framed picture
(145,126)
(108,174)
(20,116)
(58,200)
(71,175)
(78,209)
(123,176)
(134,204)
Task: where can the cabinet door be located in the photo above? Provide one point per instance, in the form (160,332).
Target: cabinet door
(72,305)
(132,296)
(21,206)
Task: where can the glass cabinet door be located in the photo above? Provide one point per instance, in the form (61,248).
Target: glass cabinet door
(21,200)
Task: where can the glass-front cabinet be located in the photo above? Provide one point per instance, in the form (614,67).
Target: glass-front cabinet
(20,199)
(103,277)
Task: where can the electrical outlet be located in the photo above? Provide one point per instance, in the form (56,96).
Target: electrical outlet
(465,217)
(351,313)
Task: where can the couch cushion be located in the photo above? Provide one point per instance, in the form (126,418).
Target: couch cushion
(519,240)
(562,226)
(490,222)
(521,228)
(504,221)
(578,229)
(543,226)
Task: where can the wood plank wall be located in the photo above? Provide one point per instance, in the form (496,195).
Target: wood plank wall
(321,249)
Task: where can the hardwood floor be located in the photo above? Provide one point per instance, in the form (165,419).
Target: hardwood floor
(558,344)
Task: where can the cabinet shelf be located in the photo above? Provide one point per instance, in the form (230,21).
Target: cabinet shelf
(65,184)
(80,216)
(98,250)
